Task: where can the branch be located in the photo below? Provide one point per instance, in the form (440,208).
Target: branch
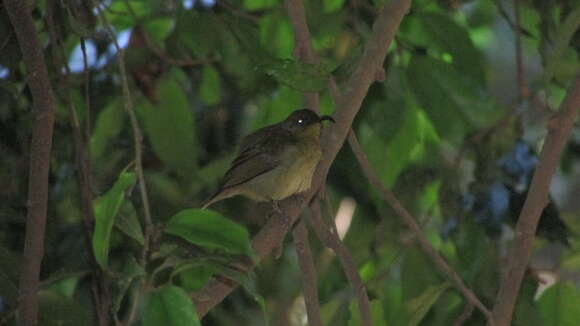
(137,134)
(415,228)
(99,288)
(309,283)
(467,311)
(42,126)
(329,236)
(275,229)
(303,50)
(559,129)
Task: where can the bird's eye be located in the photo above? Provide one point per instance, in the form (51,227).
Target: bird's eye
(300,121)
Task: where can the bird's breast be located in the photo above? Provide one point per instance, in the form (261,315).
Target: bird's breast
(295,174)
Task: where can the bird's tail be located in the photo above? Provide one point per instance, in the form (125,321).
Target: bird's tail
(219,195)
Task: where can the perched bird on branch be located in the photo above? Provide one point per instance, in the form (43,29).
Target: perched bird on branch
(275,162)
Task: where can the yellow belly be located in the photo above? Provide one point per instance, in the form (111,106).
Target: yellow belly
(291,177)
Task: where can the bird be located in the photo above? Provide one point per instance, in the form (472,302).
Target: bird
(275,162)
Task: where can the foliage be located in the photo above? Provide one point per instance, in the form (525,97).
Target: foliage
(446,130)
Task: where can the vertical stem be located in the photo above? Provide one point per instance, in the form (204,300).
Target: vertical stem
(559,129)
(303,49)
(309,283)
(40,149)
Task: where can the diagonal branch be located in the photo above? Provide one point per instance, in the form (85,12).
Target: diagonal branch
(559,129)
(309,283)
(42,127)
(329,236)
(275,229)
(412,224)
(303,48)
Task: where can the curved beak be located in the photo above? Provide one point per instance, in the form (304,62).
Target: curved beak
(326,117)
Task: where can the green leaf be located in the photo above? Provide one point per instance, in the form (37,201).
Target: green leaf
(191,33)
(170,306)
(57,310)
(377,315)
(413,283)
(106,209)
(193,276)
(276,35)
(298,75)
(332,5)
(453,39)
(209,90)
(131,271)
(208,229)
(526,311)
(564,35)
(128,223)
(259,4)
(108,126)
(418,307)
(159,28)
(277,108)
(559,305)
(431,89)
(125,14)
(170,128)
(416,133)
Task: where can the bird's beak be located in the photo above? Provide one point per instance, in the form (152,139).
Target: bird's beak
(326,117)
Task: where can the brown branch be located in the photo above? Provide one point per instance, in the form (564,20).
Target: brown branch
(304,52)
(467,311)
(309,283)
(42,127)
(99,288)
(414,227)
(329,237)
(275,229)
(303,49)
(559,129)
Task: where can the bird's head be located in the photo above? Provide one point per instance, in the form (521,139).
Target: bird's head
(305,123)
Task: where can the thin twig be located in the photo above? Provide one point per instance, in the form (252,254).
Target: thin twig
(138,143)
(269,237)
(467,312)
(40,149)
(329,237)
(137,134)
(6,41)
(390,198)
(100,290)
(309,283)
(87,75)
(559,129)
(515,27)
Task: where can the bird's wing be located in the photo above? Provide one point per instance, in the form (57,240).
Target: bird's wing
(259,154)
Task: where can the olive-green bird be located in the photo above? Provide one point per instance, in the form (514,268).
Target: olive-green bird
(276,161)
